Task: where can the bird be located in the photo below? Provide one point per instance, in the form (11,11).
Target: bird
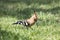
(28,22)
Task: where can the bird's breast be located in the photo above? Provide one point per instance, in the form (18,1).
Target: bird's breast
(30,21)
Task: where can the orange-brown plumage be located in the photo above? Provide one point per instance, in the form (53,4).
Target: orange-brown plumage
(32,19)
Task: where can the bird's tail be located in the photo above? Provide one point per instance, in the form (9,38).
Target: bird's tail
(18,22)
(15,23)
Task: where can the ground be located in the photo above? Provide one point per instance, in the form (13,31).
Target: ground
(46,28)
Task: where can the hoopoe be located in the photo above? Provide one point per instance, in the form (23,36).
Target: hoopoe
(28,22)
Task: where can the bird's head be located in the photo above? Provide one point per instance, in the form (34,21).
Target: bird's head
(34,16)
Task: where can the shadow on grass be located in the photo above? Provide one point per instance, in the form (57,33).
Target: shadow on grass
(28,2)
(25,13)
(19,14)
(53,10)
(4,35)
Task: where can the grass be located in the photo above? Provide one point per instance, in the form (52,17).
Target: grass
(46,28)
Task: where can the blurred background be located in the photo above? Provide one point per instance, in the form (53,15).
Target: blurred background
(46,28)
